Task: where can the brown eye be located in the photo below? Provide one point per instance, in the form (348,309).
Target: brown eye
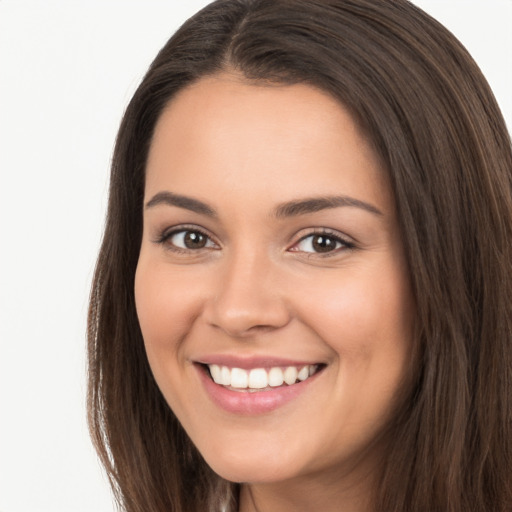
(321,243)
(188,239)
(194,240)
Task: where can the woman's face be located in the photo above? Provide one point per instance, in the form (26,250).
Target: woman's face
(271,259)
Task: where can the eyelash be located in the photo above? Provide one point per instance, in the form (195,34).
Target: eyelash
(326,233)
(164,238)
(345,244)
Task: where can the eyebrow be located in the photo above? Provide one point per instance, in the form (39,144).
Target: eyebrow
(288,209)
(316,204)
(188,203)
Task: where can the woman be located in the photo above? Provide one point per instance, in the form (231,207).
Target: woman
(303,296)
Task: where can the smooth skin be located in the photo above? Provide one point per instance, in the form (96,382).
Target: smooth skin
(228,270)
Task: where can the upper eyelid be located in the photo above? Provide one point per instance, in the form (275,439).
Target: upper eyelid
(166,233)
(348,244)
(328,232)
(185,227)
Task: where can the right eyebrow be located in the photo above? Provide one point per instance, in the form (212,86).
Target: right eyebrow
(188,203)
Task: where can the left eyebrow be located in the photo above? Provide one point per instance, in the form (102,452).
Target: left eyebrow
(316,204)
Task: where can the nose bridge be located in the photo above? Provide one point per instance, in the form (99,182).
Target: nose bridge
(248,297)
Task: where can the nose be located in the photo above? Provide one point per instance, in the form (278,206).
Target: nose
(248,298)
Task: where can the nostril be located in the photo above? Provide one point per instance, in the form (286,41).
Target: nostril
(247,322)
(262,328)
(245,302)
(241,331)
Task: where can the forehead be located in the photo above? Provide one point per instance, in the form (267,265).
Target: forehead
(249,136)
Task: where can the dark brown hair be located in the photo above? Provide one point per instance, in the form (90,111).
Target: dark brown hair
(424,104)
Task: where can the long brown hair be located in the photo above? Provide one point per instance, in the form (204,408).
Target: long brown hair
(424,104)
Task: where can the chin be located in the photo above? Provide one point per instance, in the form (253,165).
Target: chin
(245,467)
(249,473)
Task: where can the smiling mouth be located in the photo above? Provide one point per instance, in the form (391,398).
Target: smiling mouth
(260,379)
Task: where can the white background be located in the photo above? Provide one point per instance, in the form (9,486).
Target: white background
(67,71)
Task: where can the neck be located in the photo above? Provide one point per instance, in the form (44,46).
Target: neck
(348,493)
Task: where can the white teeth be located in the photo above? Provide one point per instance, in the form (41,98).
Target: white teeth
(290,375)
(225,376)
(260,378)
(275,377)
(215,372)
(239,378)
(303,373)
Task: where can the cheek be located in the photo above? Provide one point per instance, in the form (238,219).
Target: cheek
(364,316)
(367,321)
(166,308)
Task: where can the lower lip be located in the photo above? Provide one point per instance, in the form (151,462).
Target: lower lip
(255,402)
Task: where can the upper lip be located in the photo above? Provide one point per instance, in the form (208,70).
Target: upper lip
(250,362)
